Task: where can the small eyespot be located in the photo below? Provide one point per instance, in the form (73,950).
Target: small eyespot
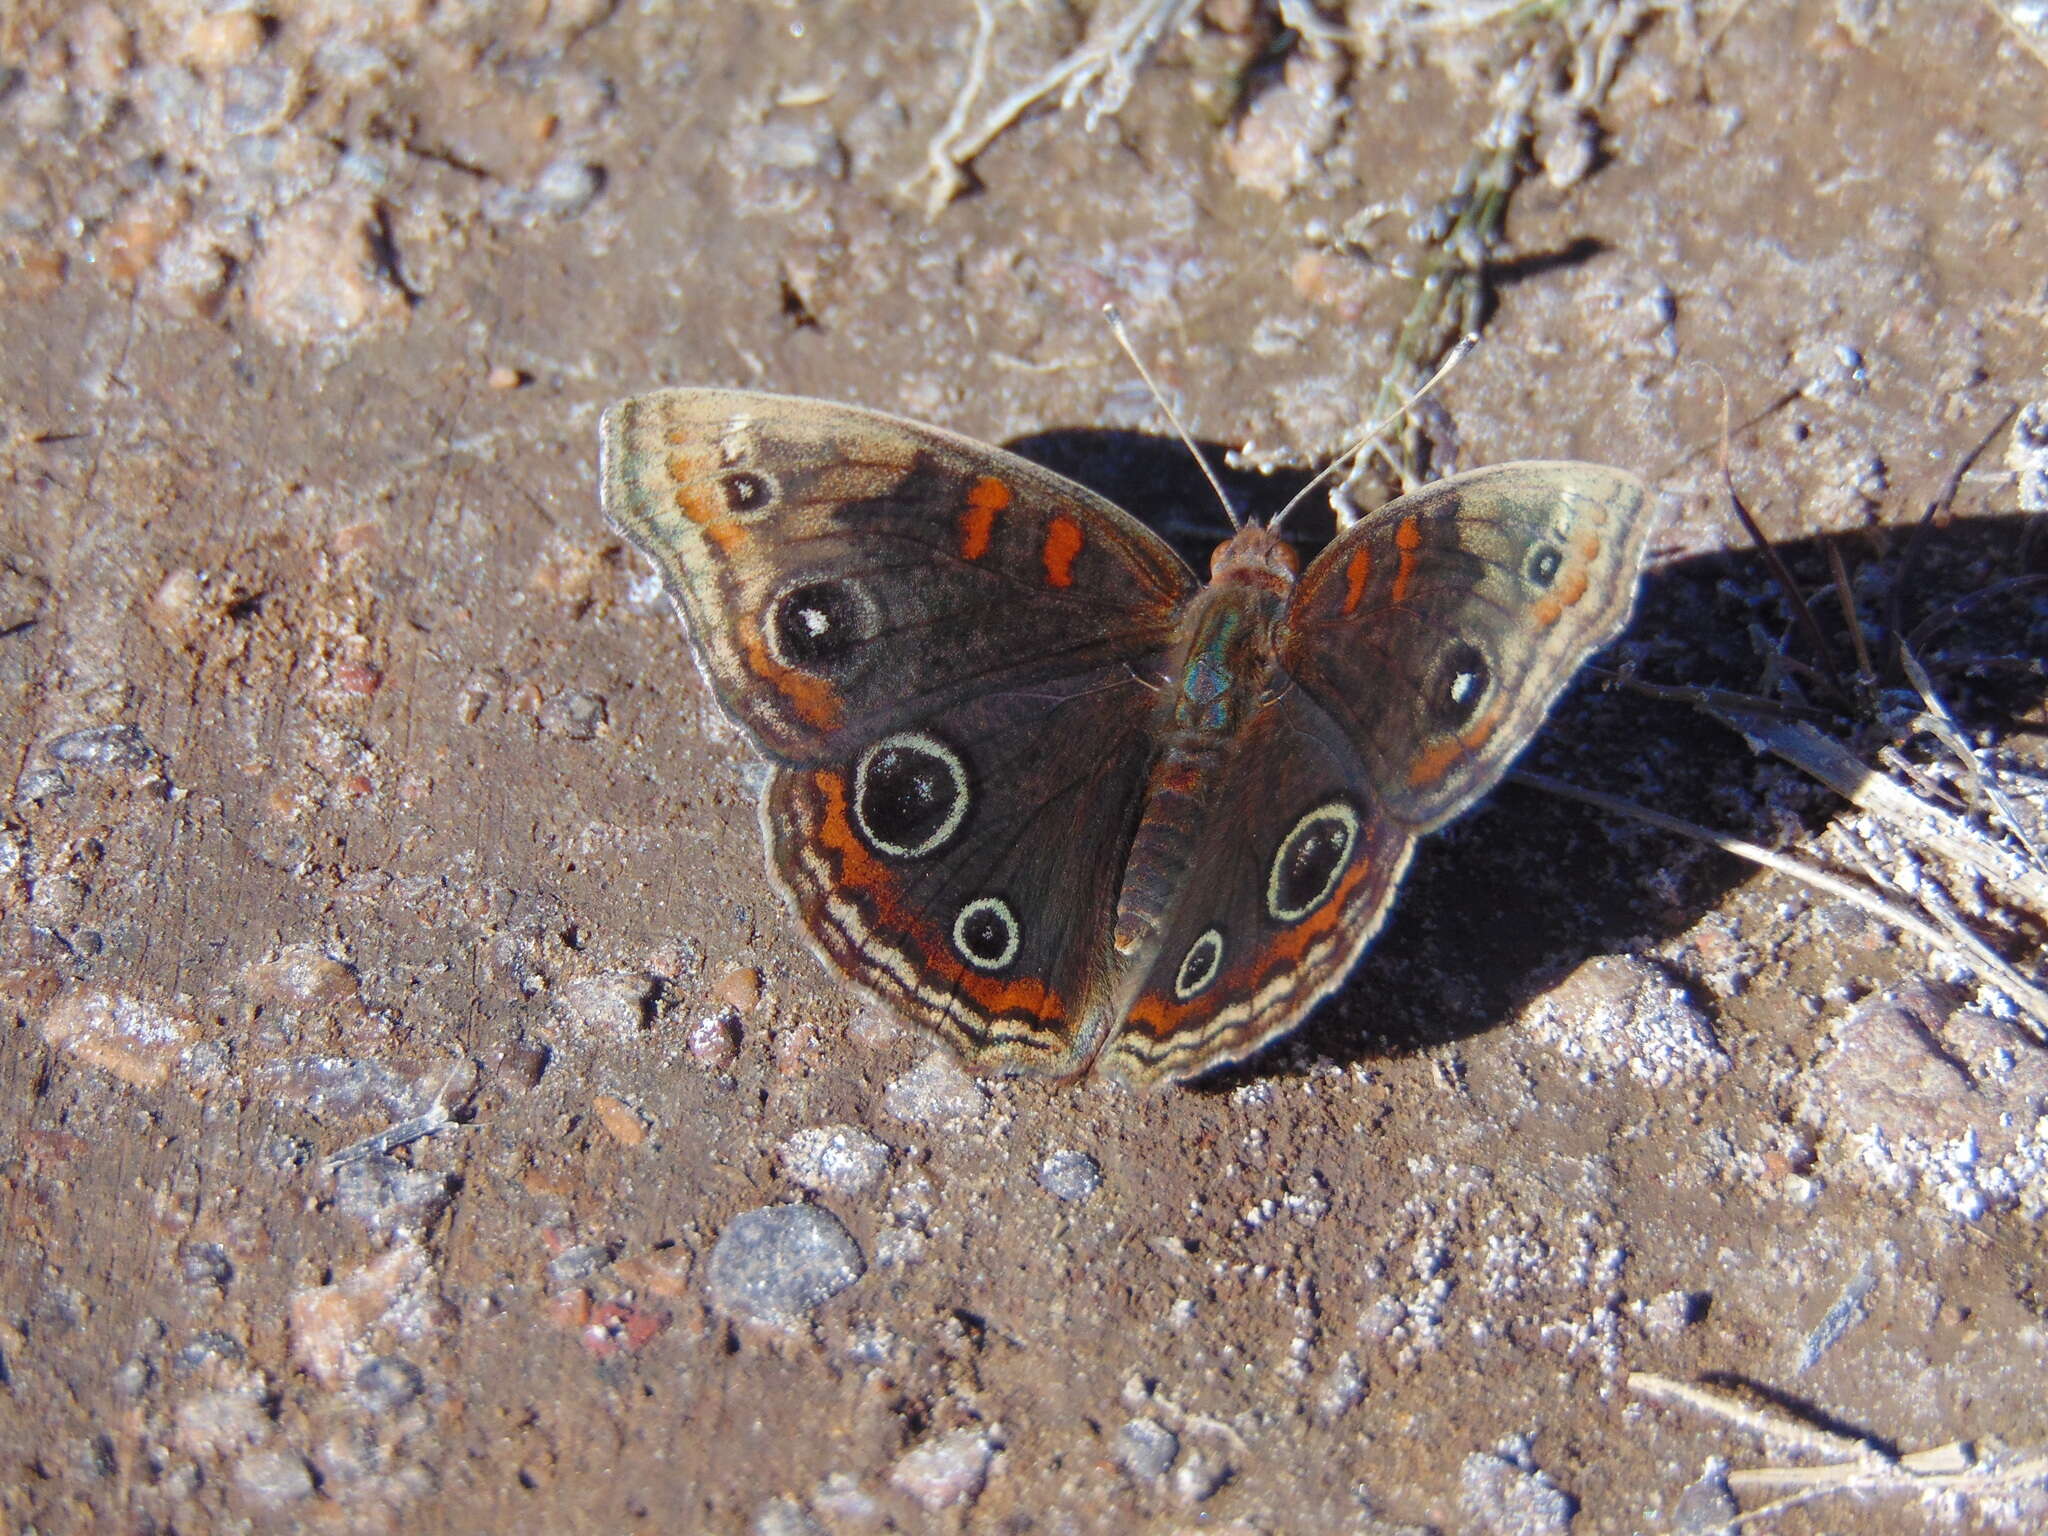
(816,625)
(986,933)
(746,491)
(1200,966)
(1462,681)
(909,795)
(1543,564)
(1309,860)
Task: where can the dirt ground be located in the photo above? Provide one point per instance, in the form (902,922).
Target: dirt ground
(360,775)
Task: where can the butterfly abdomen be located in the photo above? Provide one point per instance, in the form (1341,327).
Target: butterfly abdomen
(1225,669)
(1179,798)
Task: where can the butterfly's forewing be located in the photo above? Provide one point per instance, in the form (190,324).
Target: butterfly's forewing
(1439,631)
(843,573)
(940,645)
(1289,880)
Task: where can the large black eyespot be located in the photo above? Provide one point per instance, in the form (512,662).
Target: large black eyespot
(1463,679)
(746,491)
(1310,857)
(1543,564)
(817,625)
(1200,965)
(910,794)
(986,933)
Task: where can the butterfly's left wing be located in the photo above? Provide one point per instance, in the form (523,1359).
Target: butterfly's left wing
(1439,631)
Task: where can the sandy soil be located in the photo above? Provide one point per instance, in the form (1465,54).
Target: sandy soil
(358,771)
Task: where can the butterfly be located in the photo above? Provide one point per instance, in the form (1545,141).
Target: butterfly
(1038,787)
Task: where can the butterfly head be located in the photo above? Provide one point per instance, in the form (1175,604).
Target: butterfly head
(1255,556)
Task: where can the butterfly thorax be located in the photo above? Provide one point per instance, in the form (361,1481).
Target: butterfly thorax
(1225,669)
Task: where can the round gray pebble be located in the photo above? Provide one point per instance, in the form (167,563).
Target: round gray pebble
(568,186)
(1146,1448)
(778,1263)
(1070,1175)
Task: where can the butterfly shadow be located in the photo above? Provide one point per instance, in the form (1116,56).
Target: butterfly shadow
(1502,905)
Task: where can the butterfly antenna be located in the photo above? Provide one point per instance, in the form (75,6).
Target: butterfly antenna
(1123,339)
(1457,356)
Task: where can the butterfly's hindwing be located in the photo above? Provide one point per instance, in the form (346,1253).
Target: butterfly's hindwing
(1290,878)
(964,869)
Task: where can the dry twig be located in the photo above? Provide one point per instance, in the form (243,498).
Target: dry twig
(1983,1470)
(1106,66)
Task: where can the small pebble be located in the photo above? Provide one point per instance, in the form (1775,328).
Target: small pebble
(659,1272)
(946,1470)
(615,1328)
(578,1263)
(834,1159)
(135,1040)
(1707,1507)
(1618,1012)
(205,1264)
(390,1197)
(329,1324)
(40,786)
(227,37)
(785,1517)
(273,1477)
(1667,1315)
(619,1004)
(1070,1175)
(1343,1389)
(523,1063)
(621,1121)
(873,1028)
(357,677)
(257,98)
(1506,1498)
(120,745)
(577,716)
(342,1087)
(208,1346)
(567,186)
(840,1498)
(1199,1477)
(739,988)
(790,146)
(715,1039)
(1278,140)
(220,1422)
(937,1091)
(503,378)
(319,273)
(300,976)
(387,1383)
(1146,1448)
(779,1263)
